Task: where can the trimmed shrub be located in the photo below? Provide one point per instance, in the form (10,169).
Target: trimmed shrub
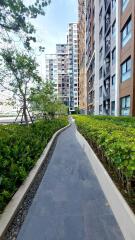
(20,148)
(116,139)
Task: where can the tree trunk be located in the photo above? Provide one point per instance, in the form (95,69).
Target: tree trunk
(25,112)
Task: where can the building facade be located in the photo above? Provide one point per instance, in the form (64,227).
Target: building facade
(61,68)
(82,56)
(56,71)
(72,41)
(63,77)
(110,51)
(51,70)
(5,99)
(90,55)
(126,12)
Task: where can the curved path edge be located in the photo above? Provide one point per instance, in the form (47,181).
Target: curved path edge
(11,209)
(122,212)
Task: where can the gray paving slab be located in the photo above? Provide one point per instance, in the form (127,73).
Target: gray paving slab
(69,204)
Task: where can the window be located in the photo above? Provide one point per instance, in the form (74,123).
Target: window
(124,4)
(126,70)
(100,15)
(100,109)
(113,108)
(126,33)
(100,72)
(113,4)
(101,53)
(113,56)
(125,106)
(113,80)
(114,29)
(101,34)
(100,91)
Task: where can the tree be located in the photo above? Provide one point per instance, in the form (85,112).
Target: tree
(45,101)
(15,15)
(19,75)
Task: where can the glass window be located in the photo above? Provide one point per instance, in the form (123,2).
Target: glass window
(100,72)
(126,33)
(100,91)
(101,53)
(100,15)
(113,4)
(113,108)
(124,4)
(114,29)
(126,70)
(100,109)
(125,104)
(114,56)
(101,34)
(113,80)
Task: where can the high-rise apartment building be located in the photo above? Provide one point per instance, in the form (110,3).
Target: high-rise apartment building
(51,70)
(126,56)
(90,55)
(82,56)
(108,46)
(110,51)
(72,41)
(63,77)
(62,69)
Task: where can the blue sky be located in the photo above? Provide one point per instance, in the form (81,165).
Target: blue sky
(52,28)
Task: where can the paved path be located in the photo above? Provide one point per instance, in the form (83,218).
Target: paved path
(69,204)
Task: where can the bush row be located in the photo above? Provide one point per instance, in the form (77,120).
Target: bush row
(20,147)
(116,141)
(124,121)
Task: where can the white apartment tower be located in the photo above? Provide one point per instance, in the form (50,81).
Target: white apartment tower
(51,70)
(72,41)
(63,77)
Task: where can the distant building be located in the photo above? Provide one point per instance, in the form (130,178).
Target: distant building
(72,41)
(63,77)
(51,70)
(56,71)
(62,69)
(5,107)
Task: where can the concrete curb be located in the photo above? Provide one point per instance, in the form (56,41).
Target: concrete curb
(7,216)
(122,212)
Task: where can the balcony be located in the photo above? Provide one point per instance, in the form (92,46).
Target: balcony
(106,91)
(107,70)
(107,44)
(91,97)
(106,94)
(107,3)
(106,107)
(91,84)
(107,22)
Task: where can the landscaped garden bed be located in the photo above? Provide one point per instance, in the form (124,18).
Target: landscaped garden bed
(20,148)
(113,140)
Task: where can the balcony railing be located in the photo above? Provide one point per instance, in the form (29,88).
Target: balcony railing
(107,46)
(107,70)
(106,94)
(107,2)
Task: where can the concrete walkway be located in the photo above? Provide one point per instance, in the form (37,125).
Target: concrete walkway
(69,204)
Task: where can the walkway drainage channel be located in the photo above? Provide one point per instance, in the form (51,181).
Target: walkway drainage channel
(15,226)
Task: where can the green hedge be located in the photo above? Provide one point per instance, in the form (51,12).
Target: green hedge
(115,140)
(20,147)
(124,121)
